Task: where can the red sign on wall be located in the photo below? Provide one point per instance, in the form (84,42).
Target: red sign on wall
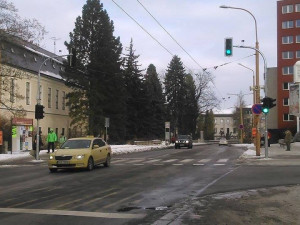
(22,121)
(1,138)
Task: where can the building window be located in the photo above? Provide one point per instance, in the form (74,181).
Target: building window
(287,55)
(298,39)
(221,120)
(297,54)
(216,130)
(234,130)
(287,24)
(297,23)
(287,70)
(286,86)
(297,8)
(12,91)
(287,9)
(288,117)
(63,100)
(287,40)
(63,131)
(56,100)
(286,101)
(27,95)
(227,121)
(49,97)
(56,131)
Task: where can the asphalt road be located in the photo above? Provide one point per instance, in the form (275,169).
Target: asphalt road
(138,188)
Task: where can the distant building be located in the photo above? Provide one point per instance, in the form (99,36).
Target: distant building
(24,59)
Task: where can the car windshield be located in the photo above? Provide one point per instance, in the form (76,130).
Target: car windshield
(183,137)
(75,144)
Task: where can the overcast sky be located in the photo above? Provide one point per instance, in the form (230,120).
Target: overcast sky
(199,26)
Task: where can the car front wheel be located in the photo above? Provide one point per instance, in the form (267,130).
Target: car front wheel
(90,165)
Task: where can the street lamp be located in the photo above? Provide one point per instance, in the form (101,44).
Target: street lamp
(253,86)
(38,100)
(257,87)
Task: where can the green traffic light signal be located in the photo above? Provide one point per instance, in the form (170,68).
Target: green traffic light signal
(265,110)
(228,46)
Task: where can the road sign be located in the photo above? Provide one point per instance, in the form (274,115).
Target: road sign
(106,122)
(241,126)
(257,109)
(254,132)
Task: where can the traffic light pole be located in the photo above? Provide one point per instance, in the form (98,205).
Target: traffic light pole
(258,99)
(38,99)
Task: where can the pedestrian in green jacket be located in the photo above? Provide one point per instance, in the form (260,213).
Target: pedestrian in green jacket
(51,139)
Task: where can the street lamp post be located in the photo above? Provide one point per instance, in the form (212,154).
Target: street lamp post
(38,101)
(257,87)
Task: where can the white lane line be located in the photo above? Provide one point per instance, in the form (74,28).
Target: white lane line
(170,160)
(138,164)
(198,164)
(158,164)
(119,160)
(222,160)
(119,164)
(153,161)
(72,213)
(186,160)
(204,160)
(219,164)
(136,161)
(177,164)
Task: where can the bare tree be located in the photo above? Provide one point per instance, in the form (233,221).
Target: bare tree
(17,30)
(12,24)
(205,92)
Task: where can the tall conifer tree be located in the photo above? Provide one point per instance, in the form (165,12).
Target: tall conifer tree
(99,58)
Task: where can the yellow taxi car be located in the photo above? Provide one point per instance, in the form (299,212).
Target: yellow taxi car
(85,152)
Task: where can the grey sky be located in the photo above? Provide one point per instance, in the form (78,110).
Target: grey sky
(200,26)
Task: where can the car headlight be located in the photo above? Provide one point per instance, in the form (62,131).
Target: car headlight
(79,156)
(176,141)
(186,141)
(51,157)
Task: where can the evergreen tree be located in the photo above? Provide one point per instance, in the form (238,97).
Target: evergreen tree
(191,109)
(175,92)
(155,111)
(209,125)
(99,59)
(136,100)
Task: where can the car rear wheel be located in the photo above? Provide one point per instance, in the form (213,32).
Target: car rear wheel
(90,165)
(107,162)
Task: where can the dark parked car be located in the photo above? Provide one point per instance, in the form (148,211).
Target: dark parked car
(184,141)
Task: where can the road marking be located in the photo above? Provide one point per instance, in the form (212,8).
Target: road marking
(136,161)
(33,200)
(120,201)
(186,160)
(170,160)
(141,164)
(158,164)
(153,160)
(219,164)
(97,199)
(204,160)
(73,213)
(222,160)
(198,164)
(177,164)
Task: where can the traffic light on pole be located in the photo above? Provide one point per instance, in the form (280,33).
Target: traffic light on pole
(228,46)
(268,103)
(39,111)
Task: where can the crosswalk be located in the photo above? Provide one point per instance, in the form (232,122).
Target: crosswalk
(174,162)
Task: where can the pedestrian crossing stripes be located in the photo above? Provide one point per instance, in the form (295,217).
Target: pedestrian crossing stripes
(174,162)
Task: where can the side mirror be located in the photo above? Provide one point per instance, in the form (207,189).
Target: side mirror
(96,146)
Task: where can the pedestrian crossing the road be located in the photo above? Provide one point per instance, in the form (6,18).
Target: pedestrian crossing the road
(174,162)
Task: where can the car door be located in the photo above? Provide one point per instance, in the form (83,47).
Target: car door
(96,151)
(103,150)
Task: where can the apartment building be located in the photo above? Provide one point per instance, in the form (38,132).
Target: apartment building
(288,53)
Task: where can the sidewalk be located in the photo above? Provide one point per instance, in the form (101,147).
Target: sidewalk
(276,155)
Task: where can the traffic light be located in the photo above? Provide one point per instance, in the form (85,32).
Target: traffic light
(39,111)
(228,46)
(268,103)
